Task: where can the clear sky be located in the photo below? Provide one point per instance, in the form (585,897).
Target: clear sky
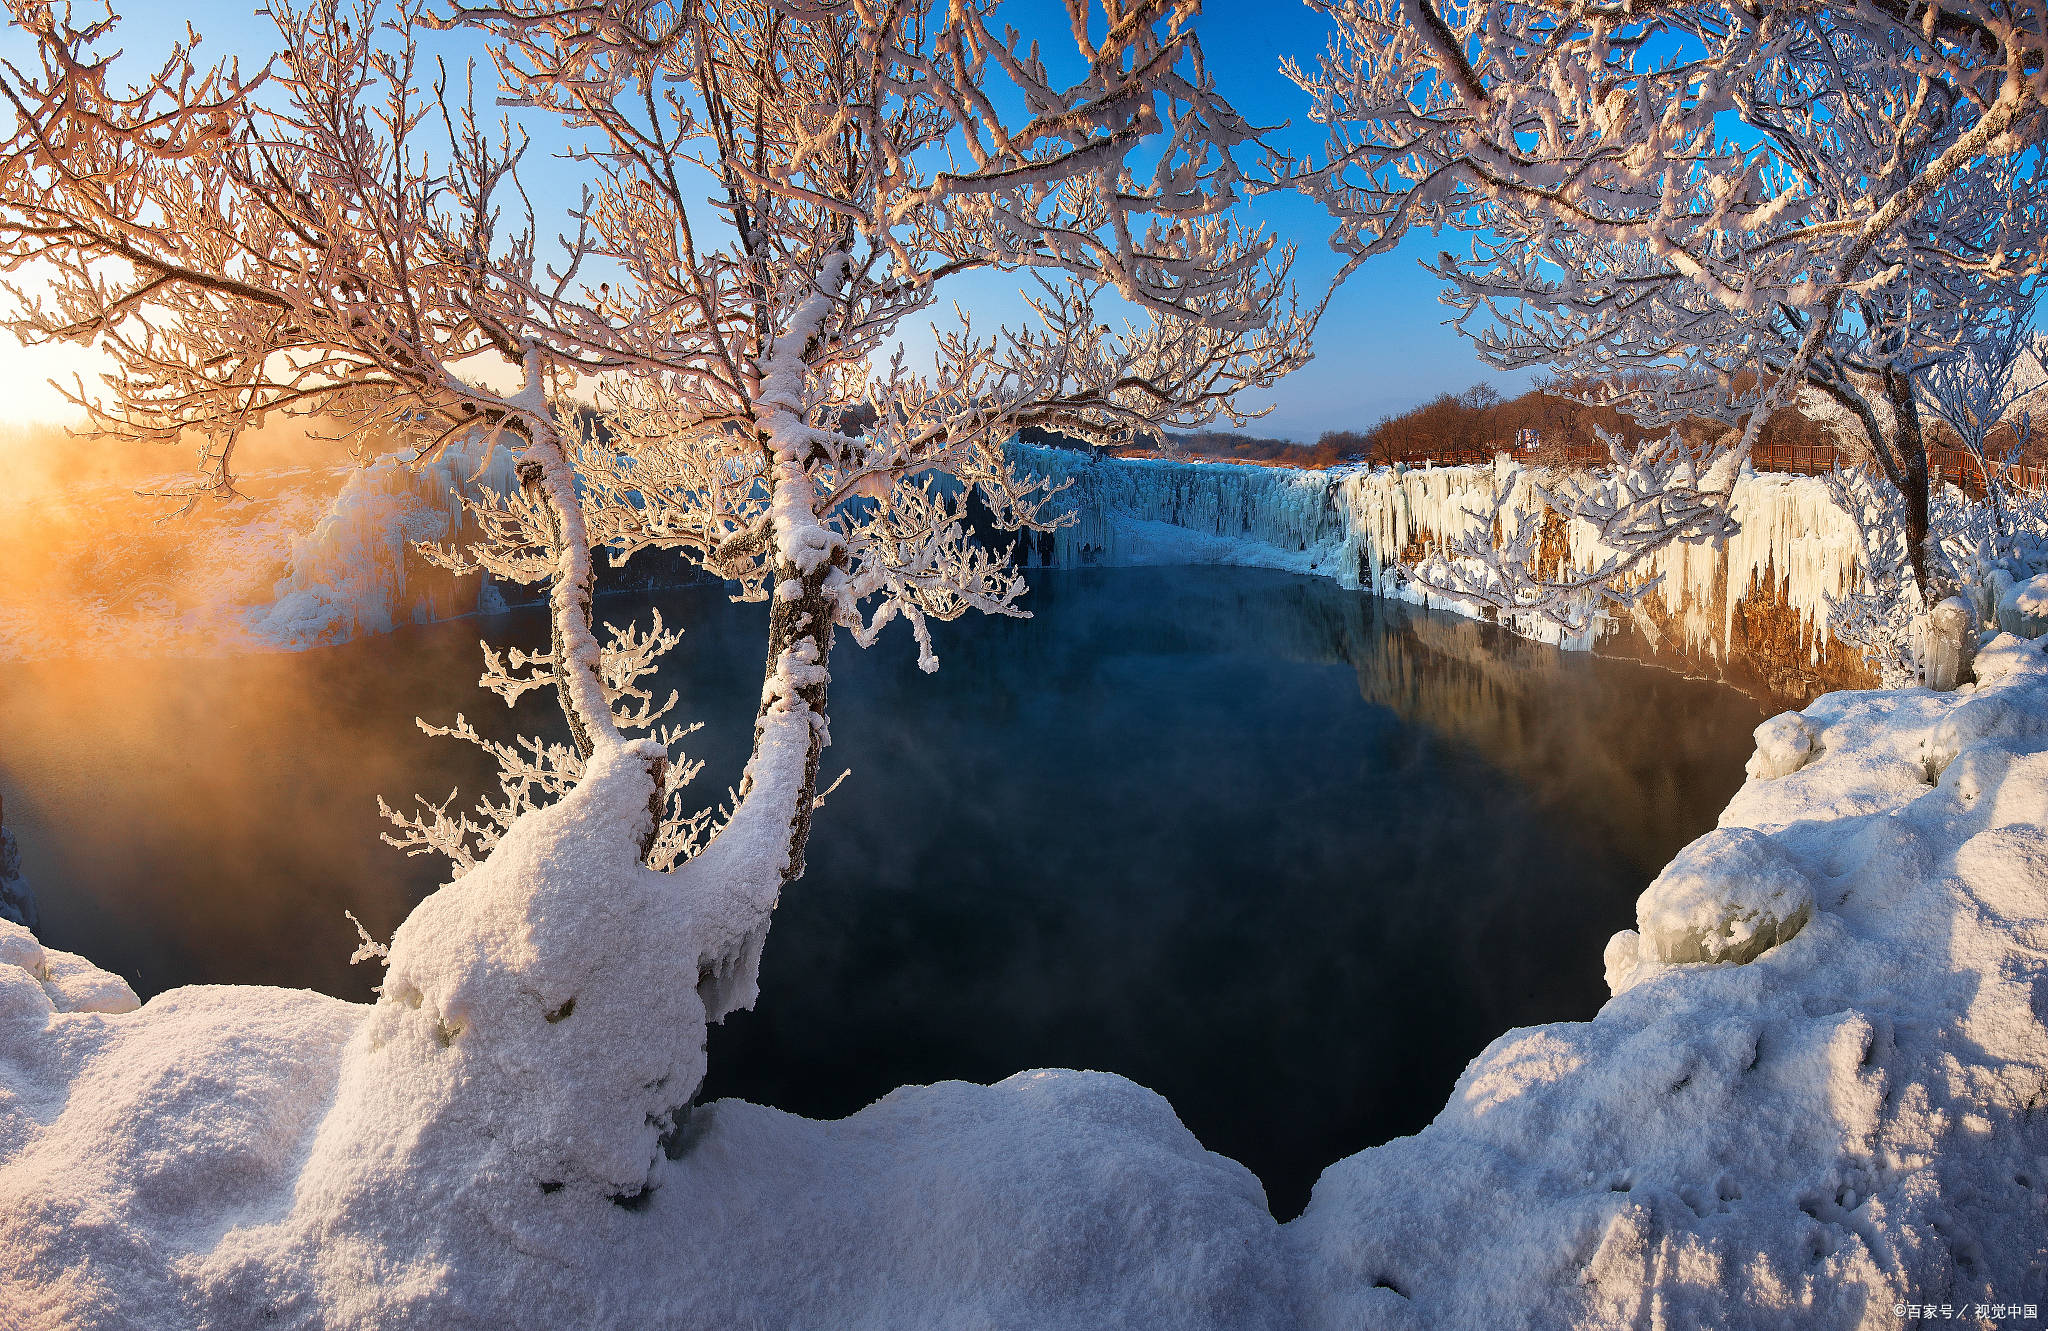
(1382,345)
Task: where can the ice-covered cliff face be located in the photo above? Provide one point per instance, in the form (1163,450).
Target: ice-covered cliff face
(1796,554)
(356,571)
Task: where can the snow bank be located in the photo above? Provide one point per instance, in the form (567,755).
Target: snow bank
(505,1139)
(1357,525)
(1852,1119)
(350,574)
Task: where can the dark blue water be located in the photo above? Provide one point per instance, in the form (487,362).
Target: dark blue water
(1285,854)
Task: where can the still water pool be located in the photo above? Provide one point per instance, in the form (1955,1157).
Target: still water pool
(1286,854)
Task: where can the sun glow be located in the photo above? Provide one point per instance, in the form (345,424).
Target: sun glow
(27,395)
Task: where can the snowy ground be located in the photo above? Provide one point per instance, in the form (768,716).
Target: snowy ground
(1852,1123)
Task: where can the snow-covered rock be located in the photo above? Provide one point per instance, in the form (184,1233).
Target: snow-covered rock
(1728,897)
(1784,744)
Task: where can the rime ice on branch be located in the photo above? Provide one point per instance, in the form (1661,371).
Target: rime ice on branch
(343,232)
(1704,209)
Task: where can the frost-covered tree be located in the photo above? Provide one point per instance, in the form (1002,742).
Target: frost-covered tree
(855,156)
(342,231)
(1709,209)
(1993,381)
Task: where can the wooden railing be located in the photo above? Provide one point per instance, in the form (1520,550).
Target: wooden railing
(1956,465)
(1797,459)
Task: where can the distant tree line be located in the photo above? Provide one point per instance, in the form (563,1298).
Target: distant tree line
(1476,423)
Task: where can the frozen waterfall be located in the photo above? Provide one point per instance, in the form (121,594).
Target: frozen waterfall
(357,571)
(1796,548)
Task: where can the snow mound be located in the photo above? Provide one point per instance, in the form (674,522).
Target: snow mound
(1051,1199)
(1784,744)
(70,983)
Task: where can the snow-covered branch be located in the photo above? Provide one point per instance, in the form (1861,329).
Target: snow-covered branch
(1700,209)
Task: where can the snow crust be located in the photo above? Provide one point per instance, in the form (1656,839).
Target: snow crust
(1355,525)
(1849,1120)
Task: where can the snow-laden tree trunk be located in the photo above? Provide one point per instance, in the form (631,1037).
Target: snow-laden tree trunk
(340,243)
(800,627)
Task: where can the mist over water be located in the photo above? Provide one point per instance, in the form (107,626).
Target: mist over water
(1288,855)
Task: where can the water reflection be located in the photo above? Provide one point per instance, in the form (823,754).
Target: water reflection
(1285,854)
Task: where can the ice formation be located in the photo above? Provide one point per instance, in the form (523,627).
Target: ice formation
(306,554)
(1784,744)
(17,899)
(92,571)
(352,573)
(1945,638)
(1732,895)
(2021,607)
(1357,525)
(1818,1130)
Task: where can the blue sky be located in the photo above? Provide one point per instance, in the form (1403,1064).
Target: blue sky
(1382,345)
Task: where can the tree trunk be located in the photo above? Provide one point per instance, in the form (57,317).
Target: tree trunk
(1909,451)
(532,478)
(800,631)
